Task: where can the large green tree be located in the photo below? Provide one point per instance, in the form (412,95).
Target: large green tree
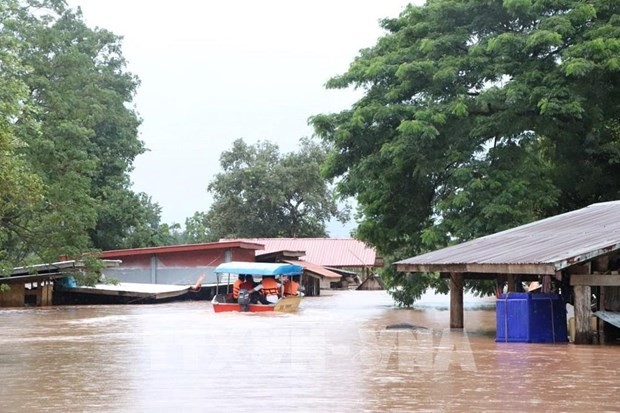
(88,137)
(68,138)
(20,188)
(478,115)
(262,193)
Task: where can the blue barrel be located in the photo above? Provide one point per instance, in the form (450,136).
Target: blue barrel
(531,318)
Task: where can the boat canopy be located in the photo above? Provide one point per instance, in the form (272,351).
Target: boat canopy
(259,268)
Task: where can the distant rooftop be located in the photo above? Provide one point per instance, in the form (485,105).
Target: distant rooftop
(329,252)
(178,248)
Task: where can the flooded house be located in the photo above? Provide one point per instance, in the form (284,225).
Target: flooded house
(155,274)
(33,285)
(352,259)
(327,262)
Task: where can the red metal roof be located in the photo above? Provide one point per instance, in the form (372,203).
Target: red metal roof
(316,269)
(327,252)
(180,248)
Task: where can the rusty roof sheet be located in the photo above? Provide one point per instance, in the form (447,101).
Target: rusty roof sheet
(541,247)
(330,252)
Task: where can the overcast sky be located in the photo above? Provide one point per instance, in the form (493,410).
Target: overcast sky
(215,71)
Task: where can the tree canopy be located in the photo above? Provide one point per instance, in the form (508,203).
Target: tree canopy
(478,115)
(262,193)
(68,138)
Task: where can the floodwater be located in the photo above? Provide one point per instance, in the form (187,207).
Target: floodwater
(334,355)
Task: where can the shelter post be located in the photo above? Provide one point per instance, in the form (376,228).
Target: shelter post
(601,323)
(456,300)
(582,313)
(583,305)
(510,281)
(601,266)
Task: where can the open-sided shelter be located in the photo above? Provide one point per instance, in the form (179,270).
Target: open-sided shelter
(579,249)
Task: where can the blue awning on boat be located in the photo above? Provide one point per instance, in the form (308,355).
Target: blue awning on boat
(259,268)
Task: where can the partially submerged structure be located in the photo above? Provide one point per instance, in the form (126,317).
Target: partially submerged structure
(372,282)
(182,264)
(350,258)
(177,264)
(578,250)
(155,274)
(34,285)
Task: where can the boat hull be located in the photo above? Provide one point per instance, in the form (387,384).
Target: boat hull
(285,305)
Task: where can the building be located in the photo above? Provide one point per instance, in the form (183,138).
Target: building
(339,253)
(579,250)
(35,285)
(177,264)
(351,258)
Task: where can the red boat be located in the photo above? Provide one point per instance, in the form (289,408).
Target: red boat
(225,302)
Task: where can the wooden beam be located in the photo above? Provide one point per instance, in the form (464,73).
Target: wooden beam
(606,280)
(601,264)
(601,323)
(583,313)
(456,300)
(510,281)
(490,276)
(534,269)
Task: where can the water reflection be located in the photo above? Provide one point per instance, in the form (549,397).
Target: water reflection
(334,355)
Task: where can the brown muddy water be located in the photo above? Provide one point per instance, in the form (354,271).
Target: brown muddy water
(334,355)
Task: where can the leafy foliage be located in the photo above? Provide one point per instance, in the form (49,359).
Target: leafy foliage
(68,139)
(478,116)
(20,188)
(261,193)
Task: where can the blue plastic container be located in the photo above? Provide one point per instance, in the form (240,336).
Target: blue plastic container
(66,282)
(531,318)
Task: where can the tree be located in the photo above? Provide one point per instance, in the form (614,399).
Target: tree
(88,138)
(197,229)
(141,223)
(261,193)
(478,116)
(68,139)
(20,189)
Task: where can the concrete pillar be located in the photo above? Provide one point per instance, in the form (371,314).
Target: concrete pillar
(154,269)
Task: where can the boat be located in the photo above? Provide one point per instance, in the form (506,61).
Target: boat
(225,302)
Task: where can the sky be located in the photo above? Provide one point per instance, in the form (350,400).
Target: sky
(212,72)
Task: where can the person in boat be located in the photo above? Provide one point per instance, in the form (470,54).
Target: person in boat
(237,287)
(248,284)
(291,287)
(267,291)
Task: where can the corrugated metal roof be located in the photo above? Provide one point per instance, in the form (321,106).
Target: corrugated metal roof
(609,317)
(52,270)
(57,267)
(330,252)
(32,278)
(316,269)
(541,247)
(178,248)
